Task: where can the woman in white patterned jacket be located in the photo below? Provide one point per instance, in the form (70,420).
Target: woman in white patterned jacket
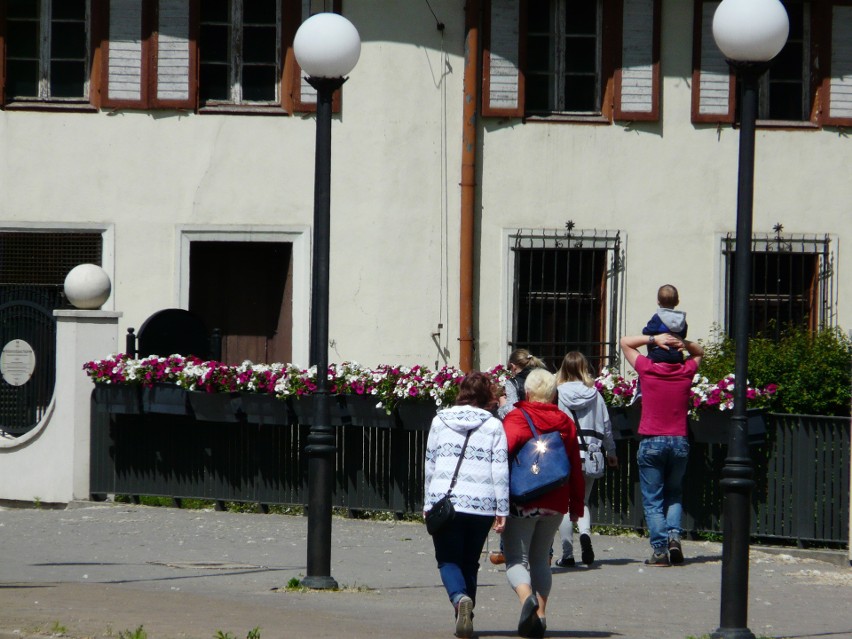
(480,495)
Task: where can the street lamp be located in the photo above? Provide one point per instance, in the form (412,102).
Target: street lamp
(749,33)
(327,47)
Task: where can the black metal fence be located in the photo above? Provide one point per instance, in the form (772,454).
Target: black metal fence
(802,471)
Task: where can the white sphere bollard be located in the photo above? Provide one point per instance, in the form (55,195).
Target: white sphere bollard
(87,286)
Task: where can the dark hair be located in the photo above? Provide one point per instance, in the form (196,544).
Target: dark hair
(476,389)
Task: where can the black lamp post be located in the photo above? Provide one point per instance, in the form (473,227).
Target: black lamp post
(327,47)
(749,33)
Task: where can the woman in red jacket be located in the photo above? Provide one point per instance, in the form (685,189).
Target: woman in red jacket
(531,526)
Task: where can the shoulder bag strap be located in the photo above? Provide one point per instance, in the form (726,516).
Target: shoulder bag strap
(529,421)
(459,463)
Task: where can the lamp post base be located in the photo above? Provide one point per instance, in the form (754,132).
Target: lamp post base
(733,633)
(321,582)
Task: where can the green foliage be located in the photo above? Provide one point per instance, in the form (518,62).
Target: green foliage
(813,371)
(254,633)
(139,633)
(224,635)
(58,629)
(294,584)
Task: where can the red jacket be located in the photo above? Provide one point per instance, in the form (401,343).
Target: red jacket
(547,417)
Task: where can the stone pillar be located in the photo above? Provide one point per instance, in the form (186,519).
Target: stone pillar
(50,463)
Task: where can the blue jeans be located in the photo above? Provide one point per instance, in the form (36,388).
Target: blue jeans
(457,550)
(662,464)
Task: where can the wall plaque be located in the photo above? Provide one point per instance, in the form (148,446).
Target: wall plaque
(17,362)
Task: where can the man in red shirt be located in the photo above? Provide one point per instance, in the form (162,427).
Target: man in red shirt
(664,448)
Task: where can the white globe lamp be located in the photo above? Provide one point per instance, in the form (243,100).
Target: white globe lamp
(87,286)
(750,30)
(327,45)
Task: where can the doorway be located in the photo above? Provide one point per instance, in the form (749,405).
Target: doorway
(245,289)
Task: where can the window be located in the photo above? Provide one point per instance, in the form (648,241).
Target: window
(566,288)
(563,56)
(572,59)
(47,50)
(240,50)
(810,80)
(792,283)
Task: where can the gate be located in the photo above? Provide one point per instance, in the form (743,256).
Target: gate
(27,333)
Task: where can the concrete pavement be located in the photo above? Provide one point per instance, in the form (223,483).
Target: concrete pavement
(100,570)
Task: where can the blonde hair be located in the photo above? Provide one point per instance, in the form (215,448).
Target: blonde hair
(540,386)
(667,296)
(523,358)
(575,368)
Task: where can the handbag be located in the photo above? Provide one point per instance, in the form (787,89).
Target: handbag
(594,463)
(539,466)
(443,511)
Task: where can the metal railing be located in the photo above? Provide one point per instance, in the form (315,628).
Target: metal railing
(801,496)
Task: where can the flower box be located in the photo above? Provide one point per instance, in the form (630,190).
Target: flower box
(263,408)
(416,414)
(118,399)
(363,411)
(164,398)
(714,426)
(625,421)
(303,409)
(215,407)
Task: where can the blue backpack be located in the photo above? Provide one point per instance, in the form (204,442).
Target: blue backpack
(540,466)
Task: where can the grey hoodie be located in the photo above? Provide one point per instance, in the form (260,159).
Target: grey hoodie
(675,320)
(586,407)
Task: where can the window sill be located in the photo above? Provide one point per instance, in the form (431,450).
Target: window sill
(569,118)
(243,109)
(64,107)
(784,125)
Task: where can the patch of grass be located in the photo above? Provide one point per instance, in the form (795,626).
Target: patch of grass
(139,633)
(57,629)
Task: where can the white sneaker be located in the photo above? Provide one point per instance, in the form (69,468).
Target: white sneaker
(464,617)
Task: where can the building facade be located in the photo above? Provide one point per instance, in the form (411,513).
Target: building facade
(505,173)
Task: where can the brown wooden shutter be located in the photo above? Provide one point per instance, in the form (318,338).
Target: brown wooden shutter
(637,78)
(126,59)
(175,55)
(502,78)
(3,53)
(713,84)
(304,95)
(837,83)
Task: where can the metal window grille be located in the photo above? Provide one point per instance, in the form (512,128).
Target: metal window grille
(792,283)
(567,294)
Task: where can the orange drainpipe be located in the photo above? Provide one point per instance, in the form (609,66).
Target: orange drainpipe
(468,185)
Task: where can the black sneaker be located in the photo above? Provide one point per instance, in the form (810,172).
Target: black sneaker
(675,551)
(658,559)
(588,555)
(566,562)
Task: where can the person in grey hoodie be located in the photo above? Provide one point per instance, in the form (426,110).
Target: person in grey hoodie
(578,397)
(666,320)
(481,492)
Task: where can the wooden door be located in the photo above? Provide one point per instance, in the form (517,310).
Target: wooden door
(245,290)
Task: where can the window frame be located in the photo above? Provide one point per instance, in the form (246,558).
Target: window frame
(504,58)
(43,101)
(283,26)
